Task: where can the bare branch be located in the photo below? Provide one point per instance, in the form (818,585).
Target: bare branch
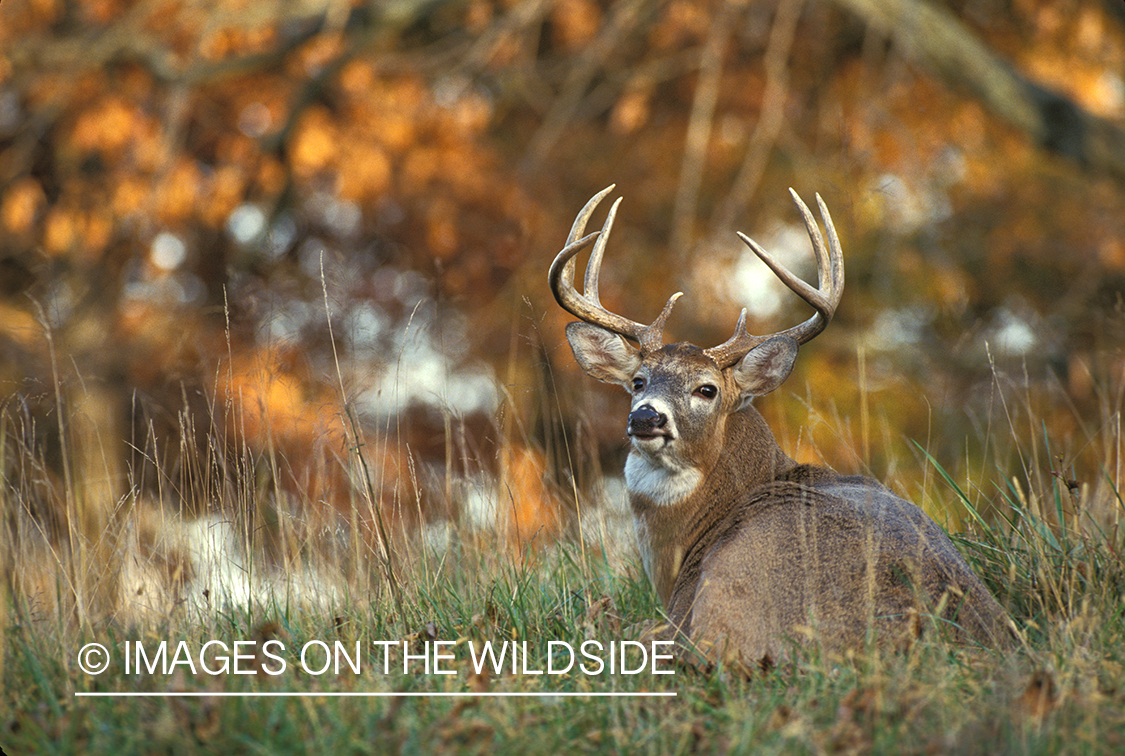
(772,115)
(700,126)
(939,41)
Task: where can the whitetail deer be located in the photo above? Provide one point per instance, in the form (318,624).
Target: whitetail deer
(747,549)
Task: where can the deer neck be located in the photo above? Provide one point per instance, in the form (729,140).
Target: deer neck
(672,535)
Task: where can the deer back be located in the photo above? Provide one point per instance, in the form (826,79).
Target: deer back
(813,556)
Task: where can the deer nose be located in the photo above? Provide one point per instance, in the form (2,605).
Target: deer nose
(645,421)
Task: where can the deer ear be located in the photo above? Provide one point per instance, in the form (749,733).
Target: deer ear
(766,366)
(603,354)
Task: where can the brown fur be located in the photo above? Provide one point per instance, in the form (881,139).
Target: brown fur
(748,550)
(815,556)
(764,552)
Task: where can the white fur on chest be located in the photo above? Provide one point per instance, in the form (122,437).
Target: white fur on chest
(661,485)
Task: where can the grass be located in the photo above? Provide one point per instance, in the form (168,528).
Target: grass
(1047,545)
(1059,695)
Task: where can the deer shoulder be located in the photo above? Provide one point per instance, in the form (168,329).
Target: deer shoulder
(749,551)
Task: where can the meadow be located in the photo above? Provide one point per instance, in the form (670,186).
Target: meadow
(214,538)
(375,645)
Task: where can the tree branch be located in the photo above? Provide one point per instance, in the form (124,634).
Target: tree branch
(940,42)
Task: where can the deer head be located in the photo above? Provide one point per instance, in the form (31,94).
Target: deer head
(684,396)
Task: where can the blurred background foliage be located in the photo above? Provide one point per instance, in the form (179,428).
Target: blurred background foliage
(219,221)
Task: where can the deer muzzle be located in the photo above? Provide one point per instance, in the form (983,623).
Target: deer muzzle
(646,422)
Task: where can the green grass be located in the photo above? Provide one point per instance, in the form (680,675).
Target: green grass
(930,699)
(1050,551)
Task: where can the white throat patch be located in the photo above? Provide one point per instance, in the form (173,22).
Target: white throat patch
(660,485)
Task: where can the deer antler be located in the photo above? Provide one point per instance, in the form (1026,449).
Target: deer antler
(824,299)
(587,306)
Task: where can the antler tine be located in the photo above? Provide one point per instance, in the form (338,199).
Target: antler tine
(587,306)
(652,337)
(824,299)
(735,348)
(836,254)
(594,265)
(829,273)
(574,245)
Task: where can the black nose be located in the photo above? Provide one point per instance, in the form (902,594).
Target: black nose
(645,421)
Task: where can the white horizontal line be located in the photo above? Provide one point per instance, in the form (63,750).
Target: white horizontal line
(387,694)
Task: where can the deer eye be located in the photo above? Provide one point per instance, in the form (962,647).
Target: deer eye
(707,391)
(638,384)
